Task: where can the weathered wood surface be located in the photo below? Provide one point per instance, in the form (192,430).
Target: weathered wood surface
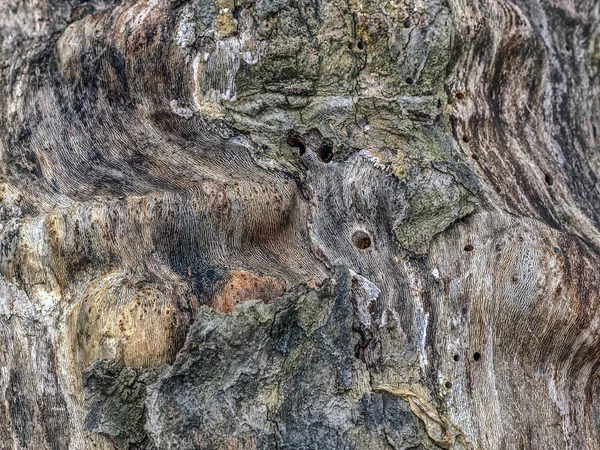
(402,195)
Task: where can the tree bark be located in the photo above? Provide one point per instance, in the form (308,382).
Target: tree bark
(299,224)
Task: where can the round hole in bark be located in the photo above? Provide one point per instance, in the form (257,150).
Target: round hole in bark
(407,23)
(350,46)
(409,80)
(476,356)
(361,240)
(456,358)
(297,141)
(360,45)
(460,95)
(326,152)
(362,122)
(549,179)
(466,139)
(468,248)
(475,157)
(448,385)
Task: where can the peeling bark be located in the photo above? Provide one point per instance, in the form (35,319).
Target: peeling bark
(299,224)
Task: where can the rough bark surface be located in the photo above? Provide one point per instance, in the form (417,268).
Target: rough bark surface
(299,224)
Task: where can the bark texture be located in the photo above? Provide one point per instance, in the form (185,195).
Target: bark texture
(299,224)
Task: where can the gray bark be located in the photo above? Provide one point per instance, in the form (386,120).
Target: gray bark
(299,224)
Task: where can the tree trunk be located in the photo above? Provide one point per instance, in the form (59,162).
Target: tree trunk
(299,224)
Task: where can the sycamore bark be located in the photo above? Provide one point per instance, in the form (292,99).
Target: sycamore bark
(299,224)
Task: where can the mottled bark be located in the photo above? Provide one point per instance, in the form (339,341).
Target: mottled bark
(299,224)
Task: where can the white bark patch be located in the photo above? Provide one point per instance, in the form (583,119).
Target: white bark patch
(181,110)
(422,320)
(366,294)
(186,31)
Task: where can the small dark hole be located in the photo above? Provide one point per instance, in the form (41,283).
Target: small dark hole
(567,48)
(360,45)
(549,180)
(407,23)
(476,356)
(350,46)
(326,152)
(361,240)
(468,248)
(409,80)
(456,358)
(466,139)
(556,250)
(448,385)
(475,157)
(460,95)
(295,140)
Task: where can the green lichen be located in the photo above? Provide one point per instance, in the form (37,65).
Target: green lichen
(366,82)
(225,25)
(433,206)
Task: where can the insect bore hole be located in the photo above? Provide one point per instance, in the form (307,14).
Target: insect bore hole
(361,240)
(468,248)
(456,358)
(326,152)
(476,356)
(296,141)
(548,179)
(448,385)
